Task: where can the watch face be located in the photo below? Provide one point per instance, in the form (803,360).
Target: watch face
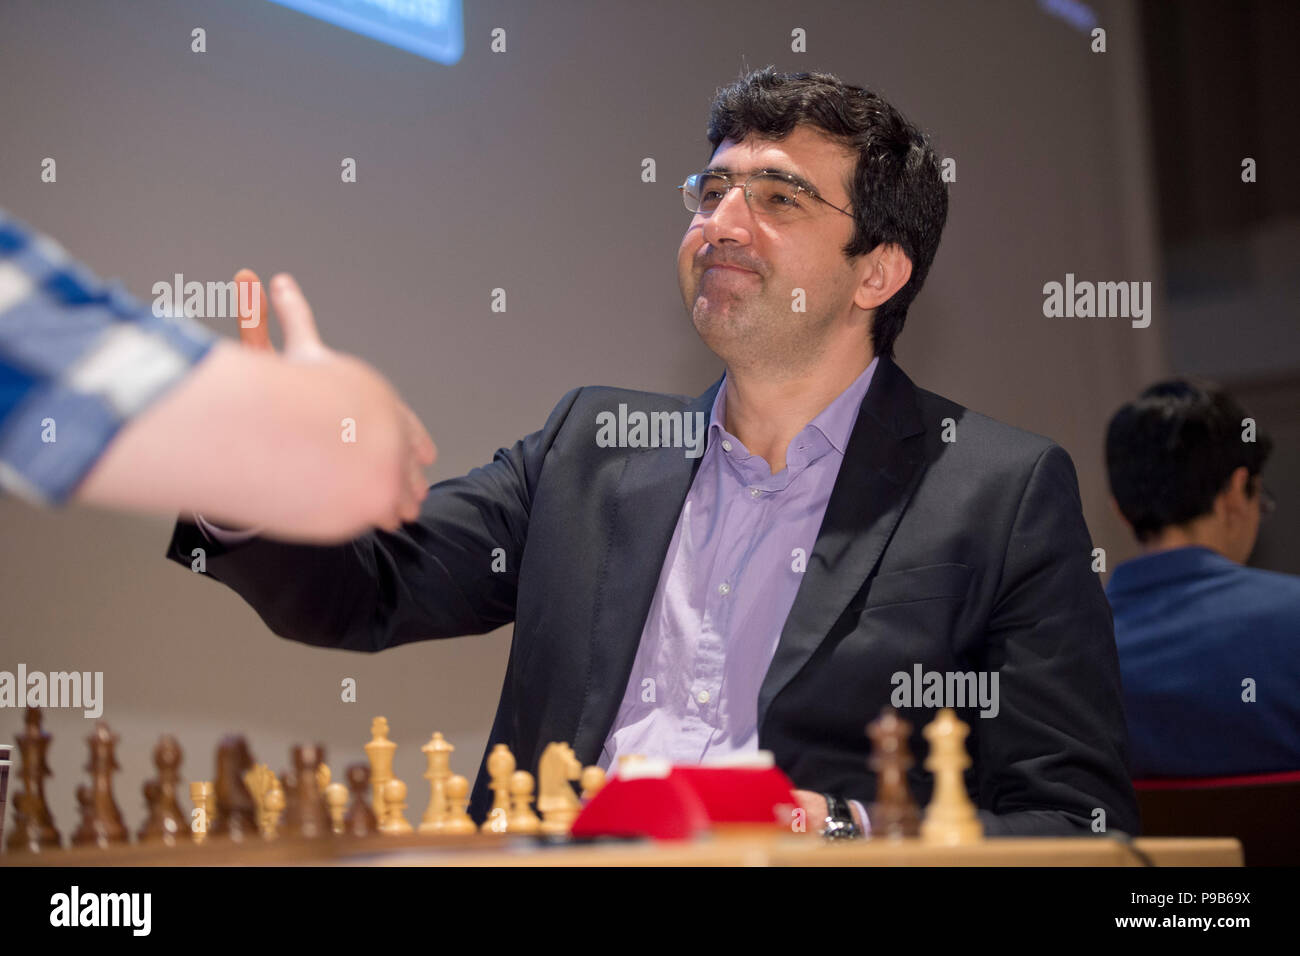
(839,830)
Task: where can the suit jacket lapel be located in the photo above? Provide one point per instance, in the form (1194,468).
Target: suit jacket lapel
(643,516)
(876,480)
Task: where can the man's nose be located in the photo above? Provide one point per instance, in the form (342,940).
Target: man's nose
(730,220)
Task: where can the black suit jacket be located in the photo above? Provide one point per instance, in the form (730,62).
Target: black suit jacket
(965,555)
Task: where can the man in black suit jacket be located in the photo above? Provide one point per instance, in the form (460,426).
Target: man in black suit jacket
(950,543)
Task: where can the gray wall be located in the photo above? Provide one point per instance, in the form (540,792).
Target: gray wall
(170,161)
(1221,89)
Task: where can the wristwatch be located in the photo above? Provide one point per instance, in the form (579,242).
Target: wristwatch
(839,820)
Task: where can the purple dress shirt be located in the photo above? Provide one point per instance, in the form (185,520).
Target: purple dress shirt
(729,578)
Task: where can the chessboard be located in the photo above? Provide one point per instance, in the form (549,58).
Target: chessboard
(248,801)
(248,815)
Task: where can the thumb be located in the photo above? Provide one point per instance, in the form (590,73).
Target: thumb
(301,340)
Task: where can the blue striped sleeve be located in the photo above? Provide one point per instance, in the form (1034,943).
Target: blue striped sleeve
(79,358)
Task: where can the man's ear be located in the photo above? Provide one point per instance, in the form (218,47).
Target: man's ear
(1236,493)
(887,271)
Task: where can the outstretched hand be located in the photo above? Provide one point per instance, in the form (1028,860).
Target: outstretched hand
(302,344)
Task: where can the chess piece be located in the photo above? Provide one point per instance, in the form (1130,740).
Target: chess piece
(5,762)
(33,828)
(166,820)
(268,798)
(336,801)
(360,820)
(306,815)
(500,765)
(894,813)
(334,798)
(210,805)
(101,822)
(950,817)
(236,814)
(592,781)
(289,783)
(259,779)
(203,796)
(522,818)
(438,752)
(380,753)
(395,822)
(86,812)
(273,804)
(458,818)
(556,799)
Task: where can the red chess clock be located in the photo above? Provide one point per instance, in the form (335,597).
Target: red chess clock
(677,803)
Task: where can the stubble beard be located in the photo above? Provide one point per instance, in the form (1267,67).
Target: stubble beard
(755,337)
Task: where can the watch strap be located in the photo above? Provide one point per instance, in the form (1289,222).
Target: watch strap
(839,819)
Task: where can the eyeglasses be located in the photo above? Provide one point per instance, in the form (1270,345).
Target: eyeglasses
(770,194)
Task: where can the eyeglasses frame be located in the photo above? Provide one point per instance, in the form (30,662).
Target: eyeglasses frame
(799,184)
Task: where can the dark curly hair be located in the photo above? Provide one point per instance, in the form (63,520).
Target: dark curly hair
(898,195)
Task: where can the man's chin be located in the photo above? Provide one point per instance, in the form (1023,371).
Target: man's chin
(725,336)
(722,312)
(714,325)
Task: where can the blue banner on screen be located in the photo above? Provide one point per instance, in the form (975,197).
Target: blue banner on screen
(431,28)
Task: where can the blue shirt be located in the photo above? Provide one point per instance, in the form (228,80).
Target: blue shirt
(78,359)
(1196,633)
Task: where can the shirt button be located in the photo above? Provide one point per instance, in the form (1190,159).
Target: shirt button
(724,588)
(702,697)
(726,446)
(754,492)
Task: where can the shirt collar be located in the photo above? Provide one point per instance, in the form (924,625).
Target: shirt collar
(835,421)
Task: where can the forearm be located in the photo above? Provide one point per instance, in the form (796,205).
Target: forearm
(430,579)
(433,577)
(323,595)
(250,439)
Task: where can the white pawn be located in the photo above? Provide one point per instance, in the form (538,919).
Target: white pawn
(394,803)
(522,817)
(458,819)
(336,799)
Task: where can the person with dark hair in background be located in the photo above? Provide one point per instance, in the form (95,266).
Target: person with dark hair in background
(763,586)
(1209,650)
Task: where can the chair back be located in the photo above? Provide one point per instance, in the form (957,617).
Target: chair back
(1260,810)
